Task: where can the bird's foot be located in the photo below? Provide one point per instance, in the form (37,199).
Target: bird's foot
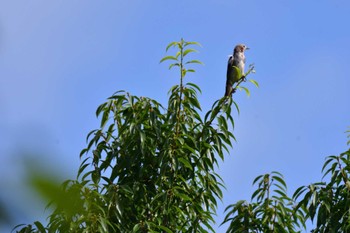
(232,91)
(244,78)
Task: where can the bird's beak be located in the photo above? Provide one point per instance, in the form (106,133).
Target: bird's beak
(247,48)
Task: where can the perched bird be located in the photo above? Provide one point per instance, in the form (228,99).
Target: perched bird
(237,60)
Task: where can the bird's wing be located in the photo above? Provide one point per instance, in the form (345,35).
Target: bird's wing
(230,58)
(229,65)
(234,61)
(231,71)
(229,76)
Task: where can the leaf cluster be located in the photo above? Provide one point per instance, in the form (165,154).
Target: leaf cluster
(328,203)
(325,203)
(270,209)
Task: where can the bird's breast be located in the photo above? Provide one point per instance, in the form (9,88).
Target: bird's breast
(240,61)
(240,65)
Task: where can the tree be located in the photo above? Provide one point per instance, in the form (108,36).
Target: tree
(327,203)
(148,168)
(271,210)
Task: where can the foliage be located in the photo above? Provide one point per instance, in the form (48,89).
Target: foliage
(329,202)
(148,168)
(270,210)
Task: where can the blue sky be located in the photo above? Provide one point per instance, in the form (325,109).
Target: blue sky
(60,59)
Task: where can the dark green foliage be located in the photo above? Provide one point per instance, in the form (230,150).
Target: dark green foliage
(328,203)
(325,203)
(270,210)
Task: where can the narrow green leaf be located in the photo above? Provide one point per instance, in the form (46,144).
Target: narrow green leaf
(194,61)
(174,64)
(257,179)
(246,90)
(165,229)
(104,119)
(280,180)
(254,82)
(193,43)
(18,226)
(326,163)
(100,108)
(40,227)
(136,228)
(172,44)
(195,86)
(185,162)
(168,58)
(187,51)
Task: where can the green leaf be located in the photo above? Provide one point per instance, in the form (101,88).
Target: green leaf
(100,109)
(326,163)
(246,90)
(165,229)
(195,86)
(194,62)
(254,82)
(280,180)
(174,64)
(104,119)
(172,44)
(187,51)
(299,191)
(136,228)
(192,43)
(185,162)
(168,58)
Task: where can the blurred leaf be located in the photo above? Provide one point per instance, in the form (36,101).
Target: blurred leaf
(246,90)
(40,227)
(254,82)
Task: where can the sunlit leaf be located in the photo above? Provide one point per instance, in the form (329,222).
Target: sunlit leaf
(254,82)
(194,62)
(168,58)
(187,51)
(246,90)
(172,44)
(192,43)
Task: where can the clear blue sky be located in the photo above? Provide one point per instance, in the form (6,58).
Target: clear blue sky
(60,59)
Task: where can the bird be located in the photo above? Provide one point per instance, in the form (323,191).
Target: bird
(237,60)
